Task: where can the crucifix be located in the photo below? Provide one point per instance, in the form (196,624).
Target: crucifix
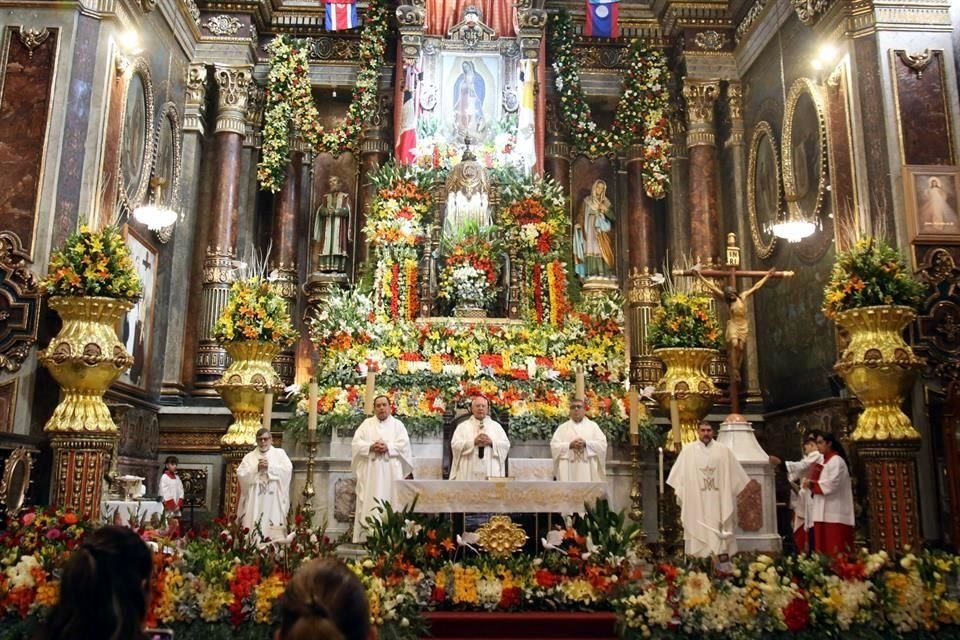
(738,327)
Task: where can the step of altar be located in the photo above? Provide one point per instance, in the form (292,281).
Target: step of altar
(530,625)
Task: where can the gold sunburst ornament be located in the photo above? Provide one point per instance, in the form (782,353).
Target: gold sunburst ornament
(500,536)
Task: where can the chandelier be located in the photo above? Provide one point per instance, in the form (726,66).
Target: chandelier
(794,227)
(155,215)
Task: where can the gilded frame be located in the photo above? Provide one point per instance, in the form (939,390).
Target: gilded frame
(136,139)
(169,120)
(920,210)
(799,189)
(762,135)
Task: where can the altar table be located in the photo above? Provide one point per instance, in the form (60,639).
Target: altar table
(499,495)
(124,510)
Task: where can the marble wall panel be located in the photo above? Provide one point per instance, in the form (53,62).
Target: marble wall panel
(924,119)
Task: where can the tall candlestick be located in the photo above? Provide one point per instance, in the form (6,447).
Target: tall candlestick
(660,449)
(634,411)
(368,397)
(675,421)
(581,391)
(267,409)
(312,408)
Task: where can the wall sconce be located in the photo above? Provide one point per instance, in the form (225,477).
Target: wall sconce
(155,215)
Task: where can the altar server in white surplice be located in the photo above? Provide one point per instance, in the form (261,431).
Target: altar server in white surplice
(707,479)
(479,445)
(579,448)
(264,478)
(381,456)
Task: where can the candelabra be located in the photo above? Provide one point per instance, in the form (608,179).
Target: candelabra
(308,491)
(636,493)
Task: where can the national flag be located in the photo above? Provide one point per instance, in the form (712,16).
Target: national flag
(526,116)
(602,18)
(340,15)
(407,138)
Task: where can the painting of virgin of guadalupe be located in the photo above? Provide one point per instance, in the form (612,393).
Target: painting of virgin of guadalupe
(470,91)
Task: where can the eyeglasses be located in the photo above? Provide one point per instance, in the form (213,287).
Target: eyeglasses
(264,438)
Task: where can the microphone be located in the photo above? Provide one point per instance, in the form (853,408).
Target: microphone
(481,448)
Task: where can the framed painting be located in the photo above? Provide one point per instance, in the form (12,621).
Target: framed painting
(931,194)
(763,188)
(805,149)
(136,135)
(136,328)
(470,94)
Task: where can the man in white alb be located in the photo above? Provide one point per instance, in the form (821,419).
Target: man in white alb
(381,456)
(264,477)
(707,479)
(479,445)
(579,448)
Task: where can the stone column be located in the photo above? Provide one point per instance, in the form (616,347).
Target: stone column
(375,146)
(557,163)
(736,150)
(233,82)
(247,236)
(194,126)
(285,237)
(678,223)
(700,97)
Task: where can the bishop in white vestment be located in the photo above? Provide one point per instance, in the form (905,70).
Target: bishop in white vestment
(264,477)
(479,446)
(579,447)
(381,456)
(707,479)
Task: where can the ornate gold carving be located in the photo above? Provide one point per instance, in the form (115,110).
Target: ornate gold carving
(471,29)
(32,38)
(16,479)
(132,195)
(19,303)
(243,386)
(223,25)
(79,465)
(195,104)
(710,40)
(809,11)
(700,98)
(801,87)
(501,537)
(219,267)
(644,287)
(193,11)
(409,15)
(917,62)
(735,100)
(750,19)
(762,135)
(194,486)
(234,84)
(197,441)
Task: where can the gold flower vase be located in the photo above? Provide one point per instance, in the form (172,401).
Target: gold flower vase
(878,367)
(85,358)
(243,385)
(687,379)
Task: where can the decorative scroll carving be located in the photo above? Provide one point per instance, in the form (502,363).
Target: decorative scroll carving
(918,62)
(234,83)
(33,38)
(223,25)
(809,11)
(700,98)
(710,40)
(411,16)
(939,320)
(326,48)
(193,11)
(592,56)
(471,30)
(750,19)
(19,303)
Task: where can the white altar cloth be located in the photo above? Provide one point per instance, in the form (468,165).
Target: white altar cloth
(498,496)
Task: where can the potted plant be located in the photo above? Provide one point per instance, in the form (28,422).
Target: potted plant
(92,284)
(872,295)
(685,335)
(253,328)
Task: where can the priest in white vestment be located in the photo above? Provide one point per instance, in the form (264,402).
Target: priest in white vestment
(707,478)
(381,456)
(264,478)
(479,445)
(579,447)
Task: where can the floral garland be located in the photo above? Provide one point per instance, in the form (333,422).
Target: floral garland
(289,105)
(641,114)
(533,216)
(93,263)
(255,311)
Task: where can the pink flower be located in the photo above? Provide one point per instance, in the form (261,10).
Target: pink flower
(28,518)
(53,534)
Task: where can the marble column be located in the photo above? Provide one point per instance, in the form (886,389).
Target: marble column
(700,97)
(194,124)
(557,163)
(285,236)
(735,147)
(375,146)
(678,223)
(247,230)
(219,265)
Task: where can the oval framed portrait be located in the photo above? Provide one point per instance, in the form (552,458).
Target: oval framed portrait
(136,135)
(805,149)
(168,165)
(763,188)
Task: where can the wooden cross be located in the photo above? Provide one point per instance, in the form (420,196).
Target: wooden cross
(738,327)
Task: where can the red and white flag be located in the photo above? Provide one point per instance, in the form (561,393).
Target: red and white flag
(407,138)
(340,15)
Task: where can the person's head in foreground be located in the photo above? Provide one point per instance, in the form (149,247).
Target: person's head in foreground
(705,432)
(105,588)
(325,601)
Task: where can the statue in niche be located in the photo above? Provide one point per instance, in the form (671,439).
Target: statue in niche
(592,234)
(332,228)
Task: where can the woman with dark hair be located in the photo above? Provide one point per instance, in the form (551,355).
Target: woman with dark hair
(325,601)
(832,498)
(105,589)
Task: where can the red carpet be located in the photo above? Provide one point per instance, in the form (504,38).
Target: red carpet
(539,625)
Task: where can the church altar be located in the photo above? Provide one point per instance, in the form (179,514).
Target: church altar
(498,495)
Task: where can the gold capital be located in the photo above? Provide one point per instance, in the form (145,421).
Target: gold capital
(700,97)
(234,84)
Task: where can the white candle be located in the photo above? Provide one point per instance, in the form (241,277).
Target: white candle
(675,421)
(267,409)
(368,397)
(581,391)
(634,412)
(312,408)
(660,449)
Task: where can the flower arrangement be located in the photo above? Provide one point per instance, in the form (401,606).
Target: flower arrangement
(289,99)
(684,320)
(255,311)
(868,274)
(469,277)
(533,215)
(93,263)
(641,116)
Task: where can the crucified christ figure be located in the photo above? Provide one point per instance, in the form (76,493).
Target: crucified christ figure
(737,327)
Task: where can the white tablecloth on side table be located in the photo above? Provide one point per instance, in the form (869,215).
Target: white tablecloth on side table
(498,496)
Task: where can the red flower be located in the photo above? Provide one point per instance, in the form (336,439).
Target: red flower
(510,598)
(438,595)
(546,579)
(797,614)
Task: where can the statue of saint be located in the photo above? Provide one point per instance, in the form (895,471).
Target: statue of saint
(332,227)
(592,238)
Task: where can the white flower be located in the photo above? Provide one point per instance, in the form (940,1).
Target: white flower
(411,528)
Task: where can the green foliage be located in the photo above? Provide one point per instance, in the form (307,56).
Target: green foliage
(255,311)
(870,273)
(609,532)
(684,320)
(93,263)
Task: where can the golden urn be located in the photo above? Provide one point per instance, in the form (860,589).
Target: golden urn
(85,358)
(878,367)
(243,386)
(687,379)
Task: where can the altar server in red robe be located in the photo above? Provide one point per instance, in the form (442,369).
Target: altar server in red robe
(832,498)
